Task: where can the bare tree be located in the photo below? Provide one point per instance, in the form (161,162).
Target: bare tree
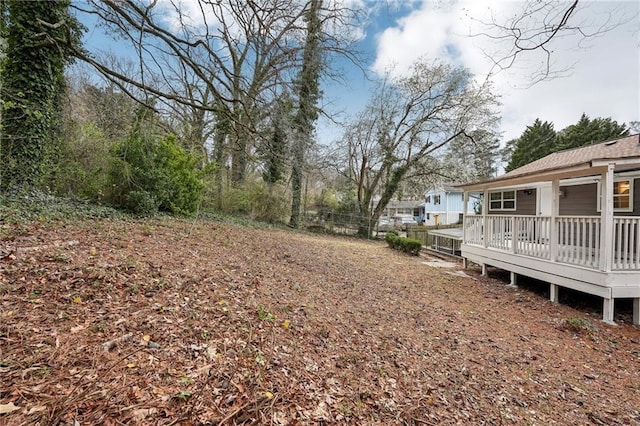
(406,122)
(537,25)
(241,54)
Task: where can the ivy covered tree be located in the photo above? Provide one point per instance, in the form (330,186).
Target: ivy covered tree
(308,92)
(39,37)
(537,141)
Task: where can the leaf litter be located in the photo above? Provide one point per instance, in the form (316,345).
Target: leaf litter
(168,322)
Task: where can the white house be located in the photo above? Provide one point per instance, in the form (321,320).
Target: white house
(444,205)
(571,219)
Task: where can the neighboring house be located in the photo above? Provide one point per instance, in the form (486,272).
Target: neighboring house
(443,206)
(413,208)
(571,219)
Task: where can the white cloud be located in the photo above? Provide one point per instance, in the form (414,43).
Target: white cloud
(603,79)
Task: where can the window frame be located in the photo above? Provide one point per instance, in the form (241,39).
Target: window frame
(628,209)
(502,201)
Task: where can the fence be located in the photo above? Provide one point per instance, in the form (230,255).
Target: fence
(444,244)
(335,223)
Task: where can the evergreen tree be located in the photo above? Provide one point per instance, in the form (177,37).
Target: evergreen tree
(537,141)
(587,132)
(40,36)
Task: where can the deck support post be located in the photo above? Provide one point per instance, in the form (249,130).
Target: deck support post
(465,263)
(484,270)
(636,310)
(554,291)
(607,310)
(514,279)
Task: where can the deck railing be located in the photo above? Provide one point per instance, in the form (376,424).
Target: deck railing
(626,245)
(577,238)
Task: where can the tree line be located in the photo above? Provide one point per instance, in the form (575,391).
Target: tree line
(214,107)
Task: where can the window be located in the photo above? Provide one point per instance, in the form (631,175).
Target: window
(428,199)
(502,200)
(436,199)
(622,195)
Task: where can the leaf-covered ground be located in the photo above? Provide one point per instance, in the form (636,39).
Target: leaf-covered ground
(169,322)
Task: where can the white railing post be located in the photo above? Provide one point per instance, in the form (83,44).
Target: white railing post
(465,202)
(606,218)
(555,211)
(485,219)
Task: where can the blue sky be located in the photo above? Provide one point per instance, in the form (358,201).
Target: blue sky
(603,78)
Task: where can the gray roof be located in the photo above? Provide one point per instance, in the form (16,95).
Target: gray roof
(614,149)
(398,204)
(617,149)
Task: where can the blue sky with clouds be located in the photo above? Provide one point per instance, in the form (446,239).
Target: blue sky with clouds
(602,77)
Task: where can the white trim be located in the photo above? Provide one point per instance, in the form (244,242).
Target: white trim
(502,201)
(617,209)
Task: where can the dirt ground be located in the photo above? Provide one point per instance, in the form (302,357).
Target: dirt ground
(170,322)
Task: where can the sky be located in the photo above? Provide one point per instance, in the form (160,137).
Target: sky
(599,76)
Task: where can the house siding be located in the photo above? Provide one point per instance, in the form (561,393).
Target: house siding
(582,200)
(525,203)
(579,200)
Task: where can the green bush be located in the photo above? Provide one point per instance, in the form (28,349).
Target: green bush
(148,174)
(411,246)
(406,245)
(391,238)
(255,200)
(84,162)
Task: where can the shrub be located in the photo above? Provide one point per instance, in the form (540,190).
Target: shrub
(411,246)
(391,238)
(407,245)
(83,167)
(255,200)
(148,174)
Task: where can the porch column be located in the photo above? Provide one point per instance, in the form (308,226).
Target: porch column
(607,310)
(555,212)
(485,219)
(636,311)
(465,204)
(606,219)
(554,292)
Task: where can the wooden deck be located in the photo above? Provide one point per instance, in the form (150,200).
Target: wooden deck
(567,252)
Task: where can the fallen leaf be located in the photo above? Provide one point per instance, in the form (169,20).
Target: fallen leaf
(131,365)
(285,324)
(146,338)
(268,395)
(8,408)
(76,329)
(141,413)
(77,299)
(36,409)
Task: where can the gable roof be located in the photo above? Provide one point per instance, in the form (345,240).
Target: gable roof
(625,149)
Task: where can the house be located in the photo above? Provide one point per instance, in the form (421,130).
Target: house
(413,208)
(571,219)
(443,206)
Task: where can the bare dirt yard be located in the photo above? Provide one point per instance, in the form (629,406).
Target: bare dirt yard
(169,322)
